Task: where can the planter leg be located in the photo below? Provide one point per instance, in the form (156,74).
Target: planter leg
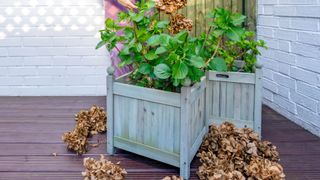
(110,123)
(185,129)
(185,170)
(110,149)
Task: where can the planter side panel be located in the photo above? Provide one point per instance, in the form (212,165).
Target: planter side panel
(197,120)
(231,101)
(149,125)
(197,117)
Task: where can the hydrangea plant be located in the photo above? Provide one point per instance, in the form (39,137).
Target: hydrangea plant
(160,60)
(227,41)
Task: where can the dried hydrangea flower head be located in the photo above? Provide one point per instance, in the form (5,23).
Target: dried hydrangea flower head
(75,141)
(228,152)
(170,6)
(88,123)
(102,169)
(178,23)
(95,119)
(260,168)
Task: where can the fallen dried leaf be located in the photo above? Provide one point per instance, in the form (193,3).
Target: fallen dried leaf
(172,178)
(94,145)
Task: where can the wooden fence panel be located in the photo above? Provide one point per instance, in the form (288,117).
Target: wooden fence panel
(197,11)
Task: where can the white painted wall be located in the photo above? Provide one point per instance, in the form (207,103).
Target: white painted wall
(291,81)
(47,48)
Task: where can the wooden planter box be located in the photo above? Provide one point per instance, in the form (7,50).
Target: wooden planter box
(164,126)
(235,97)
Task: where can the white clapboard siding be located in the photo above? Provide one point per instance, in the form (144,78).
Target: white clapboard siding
(234,97)
(164,126)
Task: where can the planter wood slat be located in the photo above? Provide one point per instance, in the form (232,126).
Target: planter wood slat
(164,126)
(234,97)
(234,77)
(163,97)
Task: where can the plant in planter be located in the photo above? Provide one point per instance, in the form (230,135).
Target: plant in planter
(160,60)
(157,110)
(234,78)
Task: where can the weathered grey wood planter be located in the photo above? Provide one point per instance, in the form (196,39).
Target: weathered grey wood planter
(234,97)
(164,126)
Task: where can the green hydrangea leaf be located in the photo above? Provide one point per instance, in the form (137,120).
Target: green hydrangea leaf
(161,50)
(151,56)
(179,70)
(197,61)
(154,40)
(218,64)
(162,71)
(145,68)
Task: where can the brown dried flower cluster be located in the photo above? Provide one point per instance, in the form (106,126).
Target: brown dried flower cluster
(76,141)
(94,120)
(178,23)
(88,123)
(170,6)
(261,168)
(172,178)
(102,170)
(231,153)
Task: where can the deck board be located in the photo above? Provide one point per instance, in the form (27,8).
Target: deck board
(31,129)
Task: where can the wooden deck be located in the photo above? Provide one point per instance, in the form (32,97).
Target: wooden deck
(31,129)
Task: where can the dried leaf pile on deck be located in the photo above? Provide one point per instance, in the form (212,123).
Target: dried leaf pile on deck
(178,22)
(228,152)
(102,169)
(88,122)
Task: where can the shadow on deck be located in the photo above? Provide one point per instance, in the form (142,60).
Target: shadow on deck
(31,129)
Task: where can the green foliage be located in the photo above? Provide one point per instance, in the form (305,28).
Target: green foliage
(166,61)
(226,23)
(227,41)
(160,60)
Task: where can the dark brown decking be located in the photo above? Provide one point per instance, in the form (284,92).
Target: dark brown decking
(31,129)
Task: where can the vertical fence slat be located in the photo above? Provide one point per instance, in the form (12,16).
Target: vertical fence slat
(228,4)
(218,3)
(191,14)
(250,12)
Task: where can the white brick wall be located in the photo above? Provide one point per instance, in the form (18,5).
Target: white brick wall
(291,82)
(47,48)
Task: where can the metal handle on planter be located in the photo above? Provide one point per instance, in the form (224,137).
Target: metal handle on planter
(222,76)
